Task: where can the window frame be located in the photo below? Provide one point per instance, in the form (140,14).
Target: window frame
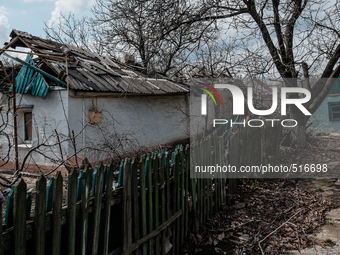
(332,105)
(24,126)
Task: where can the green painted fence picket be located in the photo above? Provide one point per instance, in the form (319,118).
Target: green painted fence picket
(153,202)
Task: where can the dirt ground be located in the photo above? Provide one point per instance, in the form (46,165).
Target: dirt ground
(285,216)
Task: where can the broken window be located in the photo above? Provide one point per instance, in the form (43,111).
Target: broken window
(334,111)
(28,126)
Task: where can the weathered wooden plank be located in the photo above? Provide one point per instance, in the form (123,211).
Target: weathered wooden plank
(79,185)
(97,207)
(156,200)
(212,191)
(162,185)
(86,183)
(174,202)
(200,190)
(8,236)
(127,206)
(167,186)
(143,203)
(56,216)
(19,218)
(178,201)
(222,162)
(121,174)
(71,211)
(9,208)
(28,205)
(135,204)
(39,216)
(49,196)
(206,155)
(150,201)
(107,207)
(193,182)
(182,195)
(193,193)
(94,181)
(153,233)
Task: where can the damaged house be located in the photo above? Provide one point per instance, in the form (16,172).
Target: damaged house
(326,119)
(76,103)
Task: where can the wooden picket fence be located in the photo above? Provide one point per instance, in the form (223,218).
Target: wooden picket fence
(151,211)
(155,205)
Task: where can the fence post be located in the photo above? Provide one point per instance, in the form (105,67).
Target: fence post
(56,216)
(167,186)
(107,207)
(9,208)
(19,219)
(39,216)
(86,182)
(162,185)
(193,180)
(135,205)
(97,207)
(186,201)
(49,196)
(178,202)
(156,199)
(127,215)
(150,201)
(182,195)
(143,203)
(71,211)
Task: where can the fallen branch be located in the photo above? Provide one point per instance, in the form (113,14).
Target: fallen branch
(277,230)
(228,229)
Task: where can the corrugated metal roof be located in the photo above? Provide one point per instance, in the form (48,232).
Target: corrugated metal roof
(30,82)
(91,72)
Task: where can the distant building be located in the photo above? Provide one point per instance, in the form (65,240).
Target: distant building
(326,119)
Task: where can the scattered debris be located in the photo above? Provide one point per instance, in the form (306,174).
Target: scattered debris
(276,216)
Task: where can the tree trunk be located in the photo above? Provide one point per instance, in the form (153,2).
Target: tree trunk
(298,133)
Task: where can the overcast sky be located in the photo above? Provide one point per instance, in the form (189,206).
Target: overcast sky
(30,15)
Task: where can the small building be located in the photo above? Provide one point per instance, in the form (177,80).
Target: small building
(73,103)
(326,119)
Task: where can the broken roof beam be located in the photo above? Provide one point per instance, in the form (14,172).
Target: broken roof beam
(36,69)
(3,67)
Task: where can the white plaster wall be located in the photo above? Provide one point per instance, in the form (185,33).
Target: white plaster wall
(320,119)
(201,123)
(47,115)
(143,120)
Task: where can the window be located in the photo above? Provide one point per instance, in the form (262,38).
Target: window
(28,126)
(334,111)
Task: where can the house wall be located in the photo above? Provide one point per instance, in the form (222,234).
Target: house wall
(320,119)
(128,123)
(47,115)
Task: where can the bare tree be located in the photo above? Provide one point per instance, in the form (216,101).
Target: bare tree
(159,34)
(73,31)
(284,39)
(298,39)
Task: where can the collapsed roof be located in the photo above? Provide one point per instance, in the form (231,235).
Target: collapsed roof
(87,71)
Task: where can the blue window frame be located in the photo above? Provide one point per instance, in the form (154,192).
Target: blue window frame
(334,111)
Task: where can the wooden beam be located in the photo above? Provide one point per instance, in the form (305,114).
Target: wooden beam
(154,233)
